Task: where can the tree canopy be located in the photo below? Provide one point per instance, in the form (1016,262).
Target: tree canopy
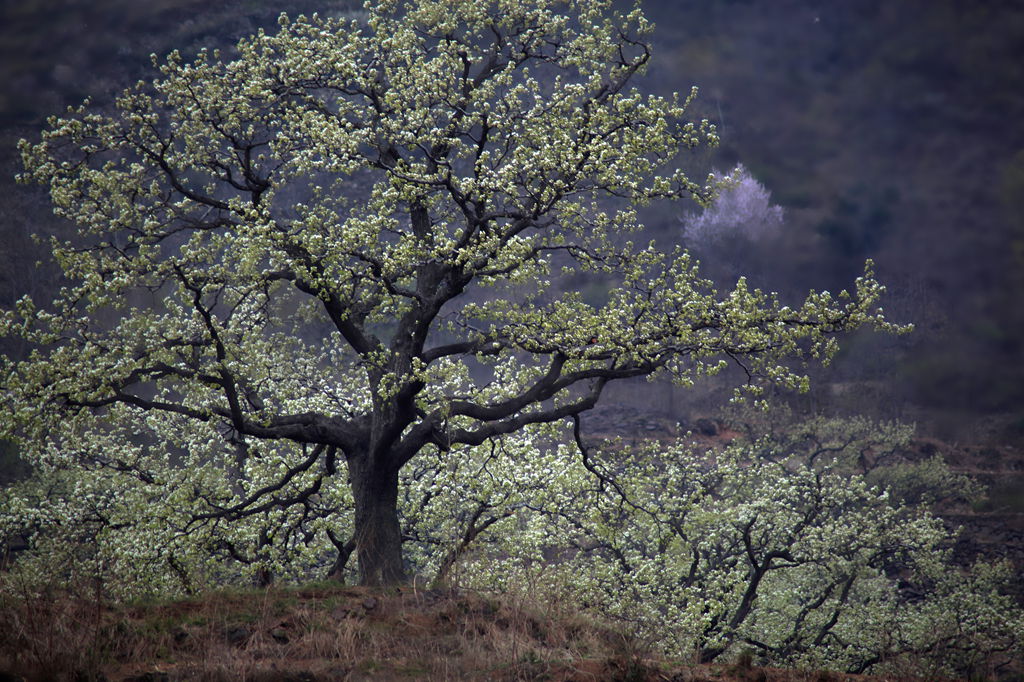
(298,268)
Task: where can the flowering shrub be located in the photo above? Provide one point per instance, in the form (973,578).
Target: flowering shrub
(742,210)
(800,544)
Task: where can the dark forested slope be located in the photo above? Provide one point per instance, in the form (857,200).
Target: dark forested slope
(886,130)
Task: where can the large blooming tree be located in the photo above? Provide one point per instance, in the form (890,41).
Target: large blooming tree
(300,268)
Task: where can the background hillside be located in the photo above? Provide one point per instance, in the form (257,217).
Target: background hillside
(884,130)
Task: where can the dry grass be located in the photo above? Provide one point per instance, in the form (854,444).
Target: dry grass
(324,632)
(328,632)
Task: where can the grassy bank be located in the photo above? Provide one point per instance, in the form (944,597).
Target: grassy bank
(332,632)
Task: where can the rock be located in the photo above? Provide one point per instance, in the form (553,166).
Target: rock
(370,603)
(90,676)
(237,636)
(301,676)
(154,676)
(706,427)
(340,613)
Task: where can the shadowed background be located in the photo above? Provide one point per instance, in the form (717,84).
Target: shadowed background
(884,130)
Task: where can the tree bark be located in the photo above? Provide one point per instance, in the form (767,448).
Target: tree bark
(378,536)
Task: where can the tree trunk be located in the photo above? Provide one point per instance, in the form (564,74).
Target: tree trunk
(378,537)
